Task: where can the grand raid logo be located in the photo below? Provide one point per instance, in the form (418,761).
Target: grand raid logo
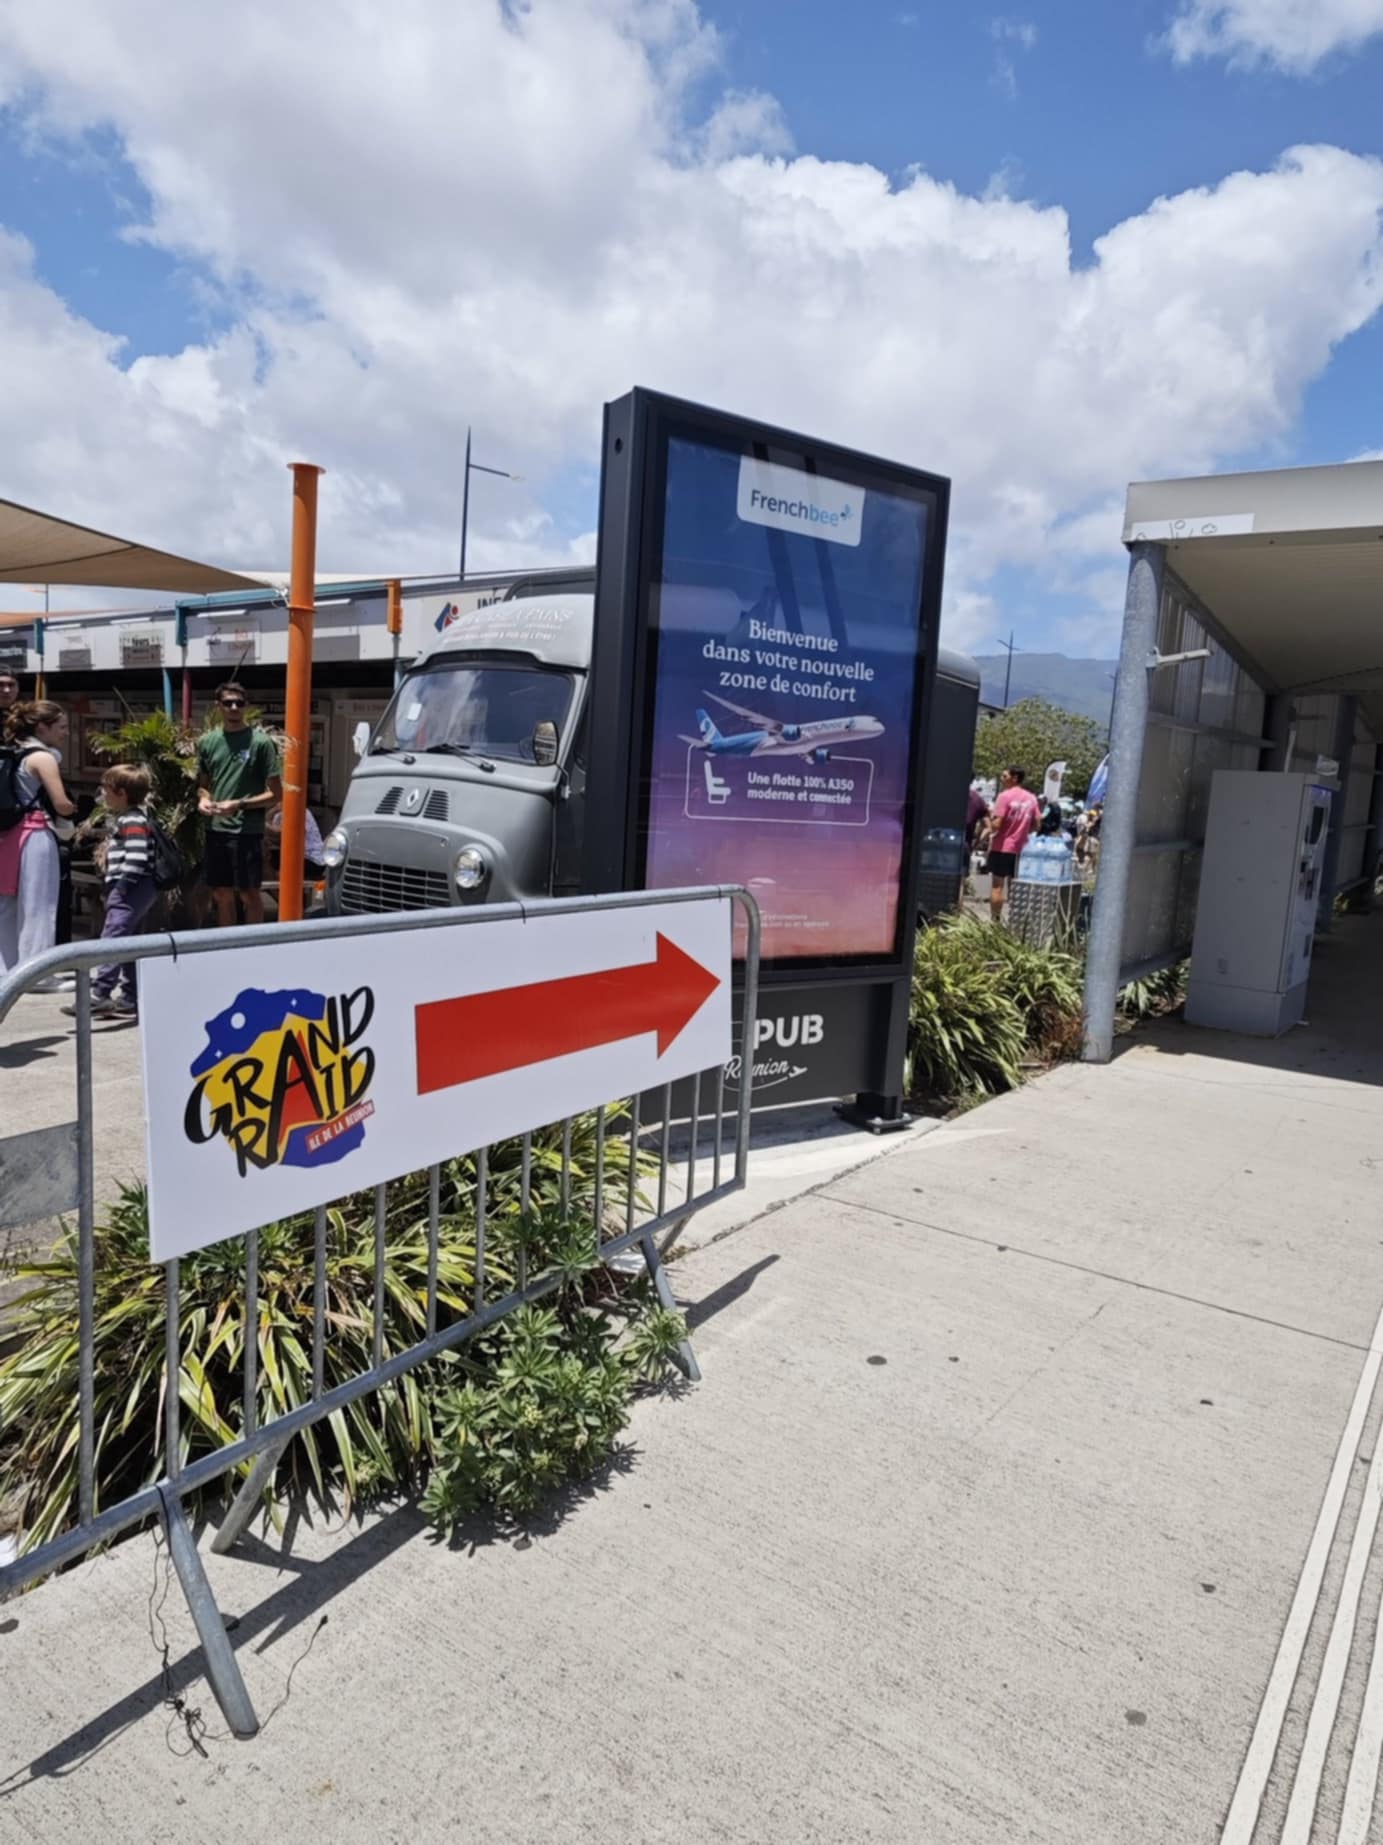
(283,1077)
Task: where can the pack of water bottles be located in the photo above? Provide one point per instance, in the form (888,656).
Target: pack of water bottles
(1046,860)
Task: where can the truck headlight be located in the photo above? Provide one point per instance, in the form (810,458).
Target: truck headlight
(334,849)
(471,868)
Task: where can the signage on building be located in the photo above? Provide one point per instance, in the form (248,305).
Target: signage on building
(14,648)
(233,647)
(342,644)
(141,649)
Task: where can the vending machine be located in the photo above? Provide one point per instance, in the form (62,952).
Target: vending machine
(1256,913)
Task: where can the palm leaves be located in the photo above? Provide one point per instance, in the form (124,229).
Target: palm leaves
(981,1002)
(386,1439)
(168,750)
(1154,994)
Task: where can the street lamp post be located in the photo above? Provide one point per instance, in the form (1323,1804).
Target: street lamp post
(1008,667)
(478,468)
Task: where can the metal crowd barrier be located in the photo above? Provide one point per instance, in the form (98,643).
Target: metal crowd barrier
(50,1172)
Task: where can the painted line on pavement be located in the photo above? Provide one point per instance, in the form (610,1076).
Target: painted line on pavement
(1325,1706)
(1356,1816)
(1267,1731)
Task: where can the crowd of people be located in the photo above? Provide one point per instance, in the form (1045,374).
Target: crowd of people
(1020,836)
(240,797)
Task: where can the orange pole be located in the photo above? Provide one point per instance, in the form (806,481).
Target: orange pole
(394,620)
(298,695)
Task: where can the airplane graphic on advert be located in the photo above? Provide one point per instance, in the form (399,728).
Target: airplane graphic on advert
(771,738)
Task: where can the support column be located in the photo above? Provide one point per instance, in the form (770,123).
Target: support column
(1330,871)
(1127,729)
(298,691)
(1373,848)
(1278,730)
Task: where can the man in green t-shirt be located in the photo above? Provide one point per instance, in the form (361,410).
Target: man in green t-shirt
(238,774)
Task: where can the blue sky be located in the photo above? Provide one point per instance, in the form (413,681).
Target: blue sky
(1091,116)
(891,184)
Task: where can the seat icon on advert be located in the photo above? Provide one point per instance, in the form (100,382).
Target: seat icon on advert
(717,789)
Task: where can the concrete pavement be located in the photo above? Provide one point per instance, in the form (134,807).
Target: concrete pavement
(38,1075)
(1023,1495)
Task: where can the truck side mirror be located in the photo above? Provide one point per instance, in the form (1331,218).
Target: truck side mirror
(360,738)
(545,743)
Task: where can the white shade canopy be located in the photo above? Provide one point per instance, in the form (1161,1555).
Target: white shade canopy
(35,547)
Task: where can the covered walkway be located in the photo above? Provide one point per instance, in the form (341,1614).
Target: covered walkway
(1251,642)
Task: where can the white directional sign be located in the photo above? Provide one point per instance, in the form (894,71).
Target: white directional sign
(279,1078)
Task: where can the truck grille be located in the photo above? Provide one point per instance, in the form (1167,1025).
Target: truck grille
(381,888)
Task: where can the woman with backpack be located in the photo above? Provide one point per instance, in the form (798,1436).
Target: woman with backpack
(33,802)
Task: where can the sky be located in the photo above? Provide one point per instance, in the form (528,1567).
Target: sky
(1041,251)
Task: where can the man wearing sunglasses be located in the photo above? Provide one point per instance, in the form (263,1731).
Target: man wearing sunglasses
(238,773)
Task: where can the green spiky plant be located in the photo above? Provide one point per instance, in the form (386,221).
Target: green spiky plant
(386,1440)
(1046,985)
(966,1035)
(1155,994)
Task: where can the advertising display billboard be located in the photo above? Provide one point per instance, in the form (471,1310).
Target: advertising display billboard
(763,659)
(785,625)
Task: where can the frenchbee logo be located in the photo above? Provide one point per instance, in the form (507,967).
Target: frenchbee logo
(283,1078)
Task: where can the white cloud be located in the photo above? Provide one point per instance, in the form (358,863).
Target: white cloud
(1293,35)
(973,618)
(505,219)
(1019,31)
(744,122)
(1008,35)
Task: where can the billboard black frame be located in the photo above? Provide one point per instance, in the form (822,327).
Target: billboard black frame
(637,430)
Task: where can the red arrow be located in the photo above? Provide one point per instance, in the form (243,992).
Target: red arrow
(484,1034)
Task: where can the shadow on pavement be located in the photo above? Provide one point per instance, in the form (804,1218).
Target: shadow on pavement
(1341,1036)
(726,1294)
(309,1591)
(29,1050)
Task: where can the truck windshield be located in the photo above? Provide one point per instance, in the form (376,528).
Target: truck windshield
(490,710)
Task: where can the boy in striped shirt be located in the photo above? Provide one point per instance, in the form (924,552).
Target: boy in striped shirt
(130,888)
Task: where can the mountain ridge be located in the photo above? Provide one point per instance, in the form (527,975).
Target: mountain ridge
(1081,685)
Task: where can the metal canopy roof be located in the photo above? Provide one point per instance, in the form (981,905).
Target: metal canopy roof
(1289,562)
(35,547)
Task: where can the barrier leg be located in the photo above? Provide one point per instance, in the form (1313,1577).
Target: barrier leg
(222,1671)
(243,1506)
(685,1359)
(670,1240)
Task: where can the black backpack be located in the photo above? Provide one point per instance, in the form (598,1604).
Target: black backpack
(166,862)
(13,806)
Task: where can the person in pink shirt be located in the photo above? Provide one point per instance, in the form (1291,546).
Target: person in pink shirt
(1014,815)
